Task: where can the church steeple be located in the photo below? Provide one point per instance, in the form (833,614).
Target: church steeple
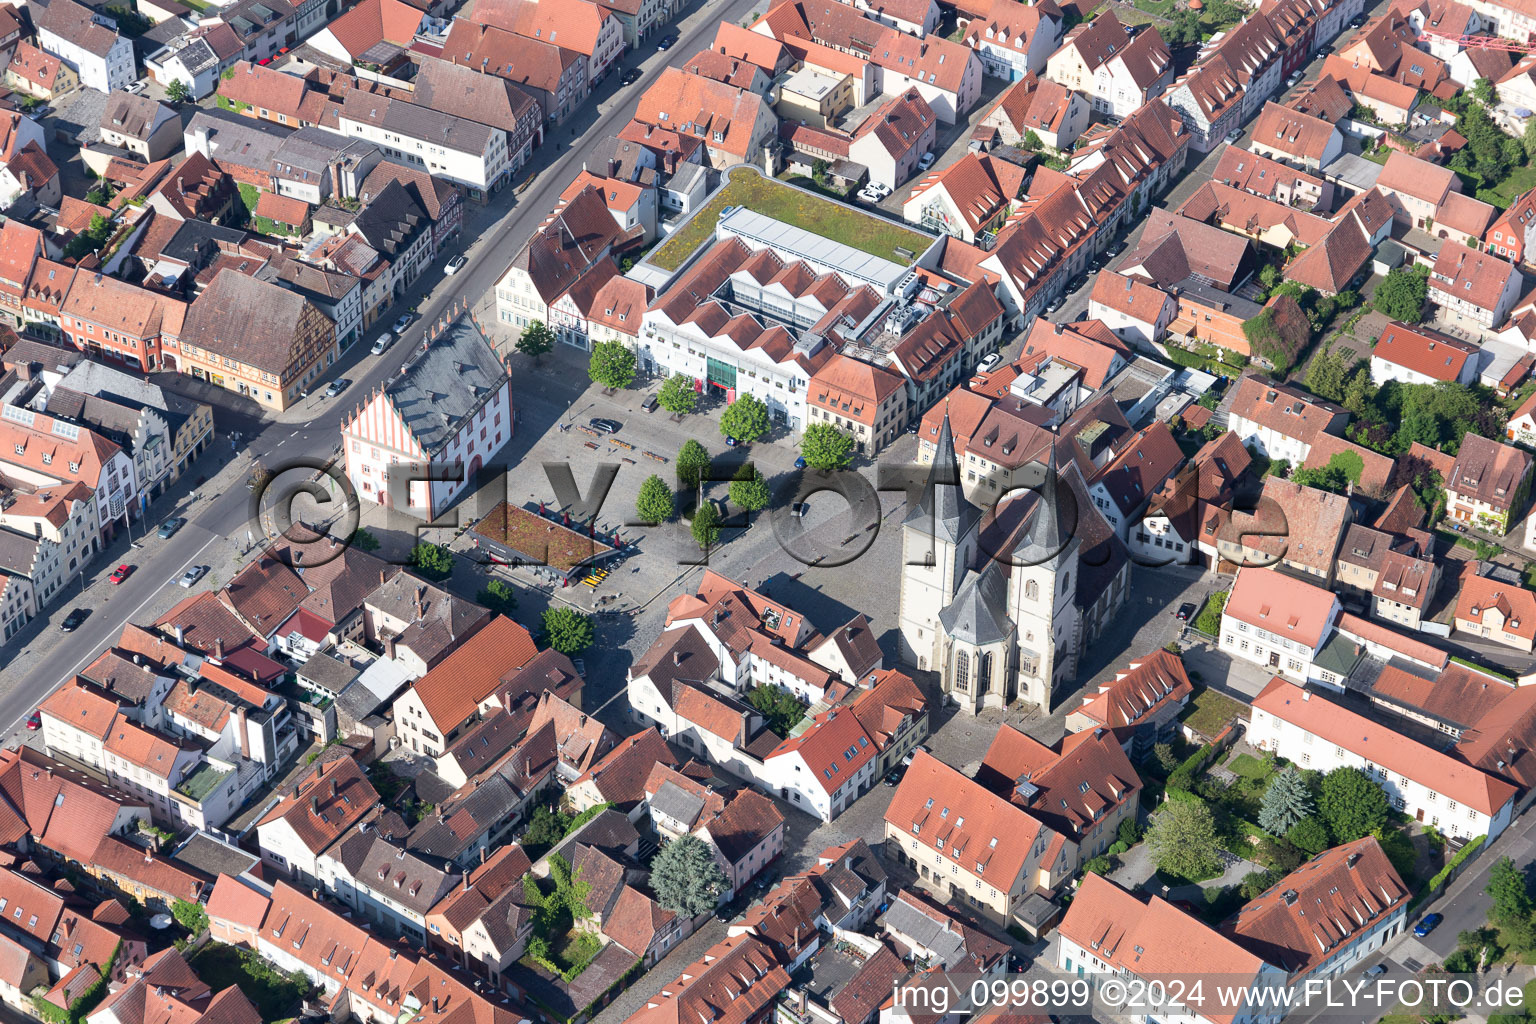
(943,501)
(1048,535)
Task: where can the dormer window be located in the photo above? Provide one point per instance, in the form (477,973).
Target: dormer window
(47,458)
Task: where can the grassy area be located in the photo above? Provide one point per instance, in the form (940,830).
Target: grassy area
(1249,767)
(275,994)
(1161,8)
(1209,712)
(1377,156)
(1482,668)
(1208,619)
(1520,181)
(748,188)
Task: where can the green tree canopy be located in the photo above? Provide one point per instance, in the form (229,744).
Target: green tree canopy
(823,446)
(1182,840)
(567,630)
(782,709)
(612,365)
(1309,835)
(692,463)
(677,395)
(1286,801)
(654,503)
(499,597)
(745,419)
(1351,805)
(433,561)
(190,916)
(1510,893)
(686,878)
(706,525)
(535,340)
(1402,294)
(749,491)
(177,91)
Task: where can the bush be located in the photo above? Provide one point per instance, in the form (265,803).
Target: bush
(1443,875)
(1100,865)
(1128,831)
(1117,848)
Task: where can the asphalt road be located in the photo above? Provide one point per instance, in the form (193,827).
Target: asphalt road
(228,514)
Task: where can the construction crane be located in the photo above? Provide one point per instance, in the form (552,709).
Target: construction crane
(1479,42)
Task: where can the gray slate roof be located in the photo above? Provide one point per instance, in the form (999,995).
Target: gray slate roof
(446,384)
(943,502)
(979,613)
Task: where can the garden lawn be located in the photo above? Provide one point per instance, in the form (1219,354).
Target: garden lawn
(1249,767)
(1209,712)
(274,993)
(1161,8)
(823,217)
(1520,181)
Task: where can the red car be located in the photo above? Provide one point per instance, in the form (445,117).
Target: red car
(35,721)
(119,574)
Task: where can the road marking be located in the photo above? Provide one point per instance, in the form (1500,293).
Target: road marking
(93,655)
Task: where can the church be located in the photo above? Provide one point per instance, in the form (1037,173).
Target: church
(1002,602)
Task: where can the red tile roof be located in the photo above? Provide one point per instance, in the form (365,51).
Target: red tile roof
(1281,605)
(452,690)
(1483,600)
(1147,685)
(734,982)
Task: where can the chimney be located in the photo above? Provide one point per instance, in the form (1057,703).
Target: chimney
(314,806)
(389,648)
(1351,861)
(382,579)
(677,657)
(1306,694)
(137,660)
(218,648)
(240,733)
(333,788)
(181,636)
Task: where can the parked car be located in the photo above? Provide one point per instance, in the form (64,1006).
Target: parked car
(1374,971)
(385,340)
(879,188)
(799,509)
(137,88)
(631,76)
(649,405)
(337,386)
(666,42)
(1056,303)
(191,576)
(119,574)
(74,618)
(872,198)
(925,161)
(605,425)
(800,462)
(35,721)
(402,322)
(1234,135)
(892,777)
(170,526)
(731,442)
(991,361)
(1427,924)
(1186,610)
(456,264)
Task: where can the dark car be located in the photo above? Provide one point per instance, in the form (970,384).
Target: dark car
(893,777)
(1185,611)
(605,425)
(170,526)
(649,405)
(1427,924)
(631,76)
(799,509)
(74,618)
(666,41)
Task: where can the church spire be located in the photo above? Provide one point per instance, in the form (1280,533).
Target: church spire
(943,502)
(1047,536)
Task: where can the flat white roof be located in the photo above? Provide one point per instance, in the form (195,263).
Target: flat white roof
(768,233)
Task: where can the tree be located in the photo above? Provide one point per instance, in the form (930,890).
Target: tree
(745,419)
(190,916)
(692,463)
(1309,835)
(654,502)
(92,238)
(686,878)
(499,597)
(823,446)
(433,561)
(536,340)
(819,170)
(177,91)
(612,365)
(1032,141)
(1128,832)
(1528,140)
(706,525)
(1256,882)
(1182,840)
(1510,895)
(1286,801)
(1402,294)
(1483,92)
(782,709)
(1351,805)
(677,395)
(364,541)
(1326,376)
(567,630)
(749,491)
(1163,754)
(546,828)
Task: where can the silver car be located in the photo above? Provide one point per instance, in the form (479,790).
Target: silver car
(191,576)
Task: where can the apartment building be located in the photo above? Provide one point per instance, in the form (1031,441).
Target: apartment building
(1277,622)
(87,40)
(1488,484)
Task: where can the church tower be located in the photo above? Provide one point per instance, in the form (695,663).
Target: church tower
(938,540)
(1041,598)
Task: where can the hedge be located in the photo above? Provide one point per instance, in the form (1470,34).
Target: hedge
(1438,882)
(1183,777)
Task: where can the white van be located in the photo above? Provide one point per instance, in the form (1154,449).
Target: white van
(385,340)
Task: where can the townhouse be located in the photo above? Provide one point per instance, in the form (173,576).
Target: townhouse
(327,800)
(1280,421)
(1291,137)
(867,401)
(734,123)
(1109,931)
(968,199)
(1140,706)
(1513,232)
(580,237)
(41,452)
(39,73)
(87,40)
(1420,781)
(1182,521)
(1056,114)
(1124,487)
(969,844)
(465,152)
(1474,286)
(739,971)
(458,376)
(144,127)
(197,58)
(439,706)
(1277,621)
(1135,311)
(587,28)
(1488,484)
(49,537)
(103,316)
(1422,355)
(1271,179)
(1119,73)
(257,339)
(1015,40)
(1497,610)
(554,76)
(892,140)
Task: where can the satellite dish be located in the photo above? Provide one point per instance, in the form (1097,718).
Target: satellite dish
(160,921)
